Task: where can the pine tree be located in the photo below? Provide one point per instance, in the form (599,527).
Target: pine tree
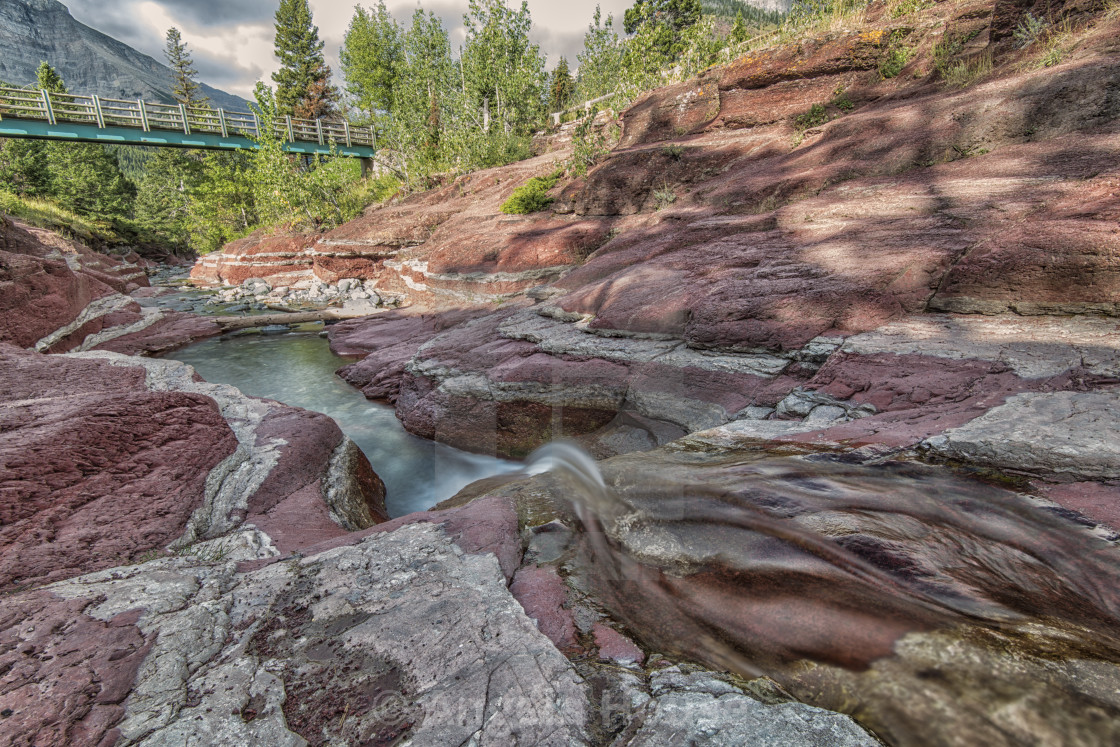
(303,80)
(677,14)
(88,181)
(185,88)
(48,79)
(163,200)
(562,88)
(660,26)
(24,167)
(321,99)
(739,32)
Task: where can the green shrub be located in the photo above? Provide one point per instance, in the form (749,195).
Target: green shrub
(906,7)
(893,63)
(589,144)
(1028,31)
(532,196)
(842,102)
(816,116)
(673,151)
(664,198)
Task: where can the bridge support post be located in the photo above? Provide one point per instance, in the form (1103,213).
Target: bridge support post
(367,167)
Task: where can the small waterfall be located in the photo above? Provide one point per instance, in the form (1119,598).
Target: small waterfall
(927,605)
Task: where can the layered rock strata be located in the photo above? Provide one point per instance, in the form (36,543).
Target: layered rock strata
(57,296)
(736,251)
(108,459)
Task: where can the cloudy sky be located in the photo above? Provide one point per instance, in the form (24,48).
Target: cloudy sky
(232,39)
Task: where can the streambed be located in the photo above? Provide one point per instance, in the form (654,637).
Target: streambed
(297,368)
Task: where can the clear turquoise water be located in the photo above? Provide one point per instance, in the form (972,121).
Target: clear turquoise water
(298,368)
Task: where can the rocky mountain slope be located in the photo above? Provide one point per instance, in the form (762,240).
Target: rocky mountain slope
(90,62)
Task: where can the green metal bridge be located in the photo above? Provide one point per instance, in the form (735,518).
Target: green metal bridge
(41,115)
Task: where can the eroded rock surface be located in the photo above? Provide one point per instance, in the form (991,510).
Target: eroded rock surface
(398,634)
(959,240)
(1063,433)
(108,457)
(57,296)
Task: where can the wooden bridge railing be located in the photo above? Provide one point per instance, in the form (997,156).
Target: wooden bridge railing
(23,103)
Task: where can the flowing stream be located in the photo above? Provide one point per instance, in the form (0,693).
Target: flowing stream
(934,608)
(297,368)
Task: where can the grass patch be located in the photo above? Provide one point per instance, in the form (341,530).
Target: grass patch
(664,198)
(46,214)
(901,8)
(812,17)
(1058,43)
(964,73)
(898,58)
(532,196)
(960,73)
(673,151)
(815,117)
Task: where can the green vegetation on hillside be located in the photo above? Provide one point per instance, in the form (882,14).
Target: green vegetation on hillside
(532,196)
(437,111)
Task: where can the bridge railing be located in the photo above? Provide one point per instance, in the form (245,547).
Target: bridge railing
(22,103)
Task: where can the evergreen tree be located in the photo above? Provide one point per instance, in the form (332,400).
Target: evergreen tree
(222,204)
(88,181)
(676,14)
(660,26)
(562,87)
(163,199)
(739,32)
(25,167)
(185,88)
(303,80)
(321,99)
(48,79)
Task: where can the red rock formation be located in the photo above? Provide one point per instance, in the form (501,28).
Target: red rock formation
(66,689)
(98,470)
(58,295)
(101,467)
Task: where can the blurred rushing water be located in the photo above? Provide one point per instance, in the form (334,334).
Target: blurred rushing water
(935,609)
(297,368)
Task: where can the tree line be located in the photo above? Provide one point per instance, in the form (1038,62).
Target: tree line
(436,110)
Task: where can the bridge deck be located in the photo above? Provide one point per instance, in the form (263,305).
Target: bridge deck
(42,115)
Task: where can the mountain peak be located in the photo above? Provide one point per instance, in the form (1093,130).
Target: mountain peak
(89,61)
